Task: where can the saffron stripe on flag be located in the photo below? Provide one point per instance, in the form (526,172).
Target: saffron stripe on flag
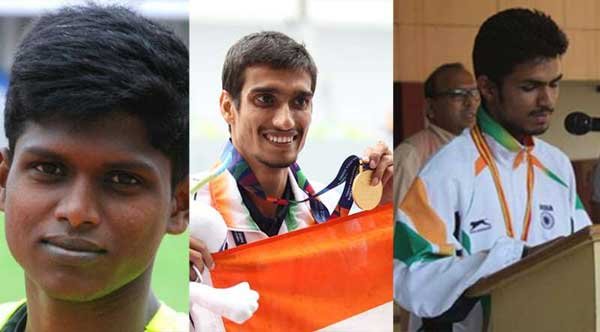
(315,277)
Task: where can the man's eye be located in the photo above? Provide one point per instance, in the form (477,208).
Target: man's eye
(265,100)
(49,169)
(457,96)
(301,102)
(123,178)
(528,88)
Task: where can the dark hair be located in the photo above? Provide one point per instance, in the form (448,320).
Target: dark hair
(81,63)
(512,37)
(431,83)
(270,48)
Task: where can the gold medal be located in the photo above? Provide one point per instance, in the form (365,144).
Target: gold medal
(366,196)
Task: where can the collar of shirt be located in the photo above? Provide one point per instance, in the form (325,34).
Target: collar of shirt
(442,133)
(269,226)
(227,199)
(506,149)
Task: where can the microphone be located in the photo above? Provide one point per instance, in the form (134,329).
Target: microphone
(578,123)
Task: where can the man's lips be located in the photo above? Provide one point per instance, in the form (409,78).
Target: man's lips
(470,114)
(72,243)
(544,112)
(541,116)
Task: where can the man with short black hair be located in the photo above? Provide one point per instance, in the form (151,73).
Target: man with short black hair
(496,192)
(268,84)
(96,171)
(451,98)
(257,188)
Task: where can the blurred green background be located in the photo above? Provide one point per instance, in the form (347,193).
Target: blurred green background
(169,279)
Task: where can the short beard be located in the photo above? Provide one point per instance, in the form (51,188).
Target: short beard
(517,131)
(537,132)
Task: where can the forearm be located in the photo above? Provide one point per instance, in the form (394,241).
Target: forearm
(429,288)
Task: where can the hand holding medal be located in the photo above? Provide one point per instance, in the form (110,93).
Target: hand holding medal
(374,186)
(365,195)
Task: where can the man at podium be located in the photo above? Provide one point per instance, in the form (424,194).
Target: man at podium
(496,190)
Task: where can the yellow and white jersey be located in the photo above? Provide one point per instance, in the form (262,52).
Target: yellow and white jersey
(164,320)
(470,212)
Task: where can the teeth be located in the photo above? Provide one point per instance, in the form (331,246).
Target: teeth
(280,139)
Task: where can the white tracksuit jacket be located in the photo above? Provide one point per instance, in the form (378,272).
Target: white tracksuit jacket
(450,230)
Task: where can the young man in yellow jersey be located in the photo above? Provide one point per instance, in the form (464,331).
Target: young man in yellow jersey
(96,169)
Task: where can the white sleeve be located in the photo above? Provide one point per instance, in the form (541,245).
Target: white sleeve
(428,275)
(429,288)
(206,223)
(579,216)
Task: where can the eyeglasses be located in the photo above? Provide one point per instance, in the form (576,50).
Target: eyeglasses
(460,95)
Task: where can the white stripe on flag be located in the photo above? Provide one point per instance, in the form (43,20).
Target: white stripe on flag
(378,319)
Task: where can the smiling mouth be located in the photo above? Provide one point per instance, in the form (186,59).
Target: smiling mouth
(280,139)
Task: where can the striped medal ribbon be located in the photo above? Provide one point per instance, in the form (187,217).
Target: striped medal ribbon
(233,161)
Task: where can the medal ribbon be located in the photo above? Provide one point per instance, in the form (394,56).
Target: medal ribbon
(233,161)
(485,153)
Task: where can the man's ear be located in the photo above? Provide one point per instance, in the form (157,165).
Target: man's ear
(227,105)
(4,168)
(488,89)
(429,108)
(180,211)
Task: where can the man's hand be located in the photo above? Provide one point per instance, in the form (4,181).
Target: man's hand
(381,161)
(199,257)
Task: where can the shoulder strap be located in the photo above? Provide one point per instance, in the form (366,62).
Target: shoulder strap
(168,320)
(7,310)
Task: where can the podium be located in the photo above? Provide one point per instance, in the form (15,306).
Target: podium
(555,289)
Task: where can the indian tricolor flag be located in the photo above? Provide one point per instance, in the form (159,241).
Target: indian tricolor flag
(335,276)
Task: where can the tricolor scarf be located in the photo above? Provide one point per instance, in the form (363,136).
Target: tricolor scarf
(233,161)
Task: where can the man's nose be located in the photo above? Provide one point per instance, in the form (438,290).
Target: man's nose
(283,118)
(79,205)
(472,99)
(546,97)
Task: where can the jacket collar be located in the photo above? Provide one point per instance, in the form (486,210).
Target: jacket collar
(505,147)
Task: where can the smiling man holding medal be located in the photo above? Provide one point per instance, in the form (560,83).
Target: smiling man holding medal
(257,188)
(496,193)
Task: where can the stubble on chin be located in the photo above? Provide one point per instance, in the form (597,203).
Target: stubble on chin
(538,131)
(276,164)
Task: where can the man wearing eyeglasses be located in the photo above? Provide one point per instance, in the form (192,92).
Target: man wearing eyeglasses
(452,99)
